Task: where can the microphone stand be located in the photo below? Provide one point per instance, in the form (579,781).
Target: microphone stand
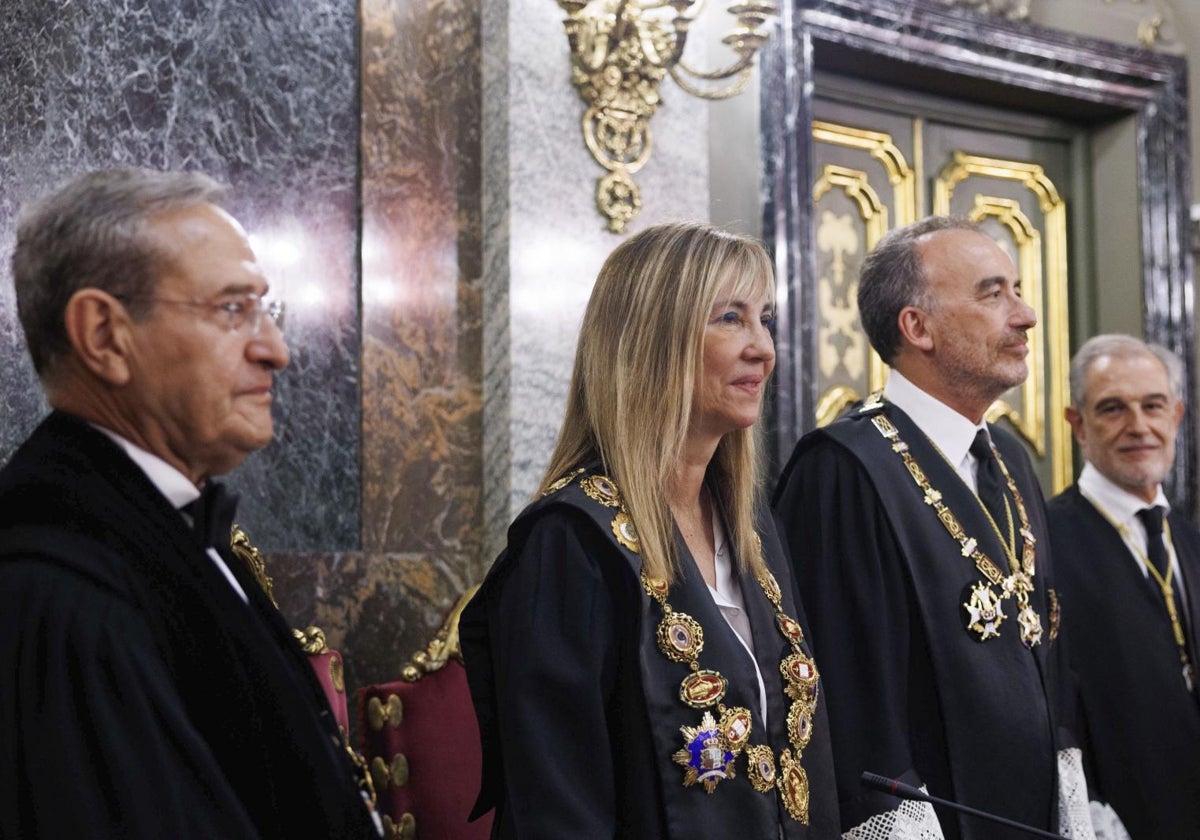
(898,788)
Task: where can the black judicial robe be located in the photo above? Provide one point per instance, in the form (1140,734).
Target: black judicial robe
(911,693)
(141,696)
(579,710)
(1140,728)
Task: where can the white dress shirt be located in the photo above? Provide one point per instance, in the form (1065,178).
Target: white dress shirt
(176,487)
(950,432)
(1121,507)
(728,597)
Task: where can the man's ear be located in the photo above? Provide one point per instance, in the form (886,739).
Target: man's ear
(1076,420)
(914,328)
(98,329)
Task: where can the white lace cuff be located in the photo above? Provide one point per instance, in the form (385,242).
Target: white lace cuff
(1107,824)
(911,821)
(1074,813)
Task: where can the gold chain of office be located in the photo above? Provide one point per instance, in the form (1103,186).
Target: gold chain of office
(984,608)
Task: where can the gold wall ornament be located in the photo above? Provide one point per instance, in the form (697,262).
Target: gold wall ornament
(620,52)
(1158,30)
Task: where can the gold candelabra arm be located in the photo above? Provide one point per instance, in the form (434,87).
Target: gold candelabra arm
(739,83)
(620,52)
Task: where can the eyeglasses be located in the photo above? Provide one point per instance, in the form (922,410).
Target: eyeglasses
(243,315)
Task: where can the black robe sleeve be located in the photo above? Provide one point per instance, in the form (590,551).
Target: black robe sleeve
(554,655)
(96,739)
(850,575)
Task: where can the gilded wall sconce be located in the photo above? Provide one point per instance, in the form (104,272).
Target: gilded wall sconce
(620,52)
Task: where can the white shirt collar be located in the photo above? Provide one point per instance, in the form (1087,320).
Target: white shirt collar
(173,484)
(177,488)
(950,431)
(1121,505)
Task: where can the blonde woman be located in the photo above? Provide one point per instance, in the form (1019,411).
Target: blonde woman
(635,655)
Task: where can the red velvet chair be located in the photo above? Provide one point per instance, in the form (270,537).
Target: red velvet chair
(326,662)
(421,742)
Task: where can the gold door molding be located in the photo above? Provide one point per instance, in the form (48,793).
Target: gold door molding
(840,338)
(882,148)
(1044,391)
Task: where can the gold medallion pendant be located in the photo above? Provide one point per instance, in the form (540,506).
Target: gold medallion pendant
(800,724)
(799,674)
(626,533)
(985,612)
(680,637)
(793,787)
(790,628)
(735,725)
(701,689)
(705,754)
(760,763)
(602,489)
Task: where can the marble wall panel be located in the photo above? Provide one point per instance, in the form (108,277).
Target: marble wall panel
(421,275)
(261,96)
(422,326)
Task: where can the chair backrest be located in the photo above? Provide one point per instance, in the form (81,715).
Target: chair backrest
(421,742)
(326,662)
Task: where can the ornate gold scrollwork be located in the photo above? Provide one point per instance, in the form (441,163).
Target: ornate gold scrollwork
(252,557)
(1044,392)
(444,645)
(881,147)
(620,52)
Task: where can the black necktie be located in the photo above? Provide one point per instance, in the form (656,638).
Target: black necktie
(1156,551)
(988,480)
(212,516)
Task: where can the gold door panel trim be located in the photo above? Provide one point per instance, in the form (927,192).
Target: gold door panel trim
(882,148)
(832,238)
(1046,294)
(833,402)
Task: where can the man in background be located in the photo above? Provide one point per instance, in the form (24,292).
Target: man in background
(918,536)
(1128,568)
(151,689)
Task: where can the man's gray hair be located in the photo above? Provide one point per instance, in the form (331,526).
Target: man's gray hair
(892,278)
(90,234)
(1120,346)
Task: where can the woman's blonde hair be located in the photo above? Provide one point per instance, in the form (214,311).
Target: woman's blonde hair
(640,353)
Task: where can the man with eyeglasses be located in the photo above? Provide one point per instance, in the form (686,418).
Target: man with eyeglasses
(150,688)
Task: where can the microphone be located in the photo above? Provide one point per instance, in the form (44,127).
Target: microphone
(898,788)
